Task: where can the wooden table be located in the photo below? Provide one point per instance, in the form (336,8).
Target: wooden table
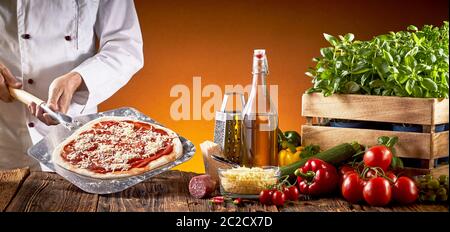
(21,190)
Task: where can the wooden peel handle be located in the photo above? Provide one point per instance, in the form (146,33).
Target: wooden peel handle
(24,97)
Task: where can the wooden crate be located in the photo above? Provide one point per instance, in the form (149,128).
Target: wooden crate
(426,146)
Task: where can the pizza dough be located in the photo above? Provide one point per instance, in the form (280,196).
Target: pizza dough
(111,160)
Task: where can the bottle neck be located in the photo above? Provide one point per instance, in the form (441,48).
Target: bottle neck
(259,79)
(260,90)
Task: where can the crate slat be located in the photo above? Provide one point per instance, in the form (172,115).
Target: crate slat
(441,111)
(440,144)
(410,145)
(424,111)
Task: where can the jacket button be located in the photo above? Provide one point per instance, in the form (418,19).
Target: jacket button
(30,124)
(26,36)
(30,81)
(68,37)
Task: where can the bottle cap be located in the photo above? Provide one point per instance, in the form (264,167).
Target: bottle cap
(260,61)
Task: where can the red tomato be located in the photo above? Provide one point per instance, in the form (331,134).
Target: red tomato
(378,156)
(377,192)
(265,197)
(346,168)
(391,176)
(278,198)
(405,190)
(352,188)
(342,177)
(291,193)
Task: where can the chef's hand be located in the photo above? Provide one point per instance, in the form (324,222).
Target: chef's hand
(7,80)
(60,95)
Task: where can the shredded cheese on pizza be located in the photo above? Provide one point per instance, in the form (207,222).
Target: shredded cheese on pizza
(115,146)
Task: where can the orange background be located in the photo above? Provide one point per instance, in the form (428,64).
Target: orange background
(215,40)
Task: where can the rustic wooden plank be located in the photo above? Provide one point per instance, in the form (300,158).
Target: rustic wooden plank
(440,144)
(441,111)
(165,192)
(43,191)
(320,205)
(421,208)
(373,108)
(410,145)
(10,181)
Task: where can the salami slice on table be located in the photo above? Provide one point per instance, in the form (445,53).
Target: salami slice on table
(202,186)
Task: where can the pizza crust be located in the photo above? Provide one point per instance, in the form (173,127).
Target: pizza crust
(165,159)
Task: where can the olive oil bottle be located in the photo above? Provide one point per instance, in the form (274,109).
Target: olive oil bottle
(259,119)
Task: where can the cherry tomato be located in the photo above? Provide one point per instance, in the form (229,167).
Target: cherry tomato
(377,192)
(346,168)
(405,190)
(278,198)
(265,197)
(352,188)
(291,193)
(391,176)
(378,156)
(342,177)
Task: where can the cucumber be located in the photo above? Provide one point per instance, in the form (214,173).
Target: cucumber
(335,155)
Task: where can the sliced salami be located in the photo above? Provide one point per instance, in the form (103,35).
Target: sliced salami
(202,186)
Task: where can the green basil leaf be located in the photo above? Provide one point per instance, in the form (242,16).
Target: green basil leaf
(388,56)
(327,53)
(352,87)
(362,68)
(349,37)
(402,78)
(412,28)
(410,61)
(331,39)
(416,39)
(381,66)
(364,78)
(417,91)
(429,84)
(309,74)
(409,86)
(376,83)
(386,92)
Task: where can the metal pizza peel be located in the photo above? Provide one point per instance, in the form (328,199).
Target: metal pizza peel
(43,150)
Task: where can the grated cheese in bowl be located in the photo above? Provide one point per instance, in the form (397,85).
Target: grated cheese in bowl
(247,181)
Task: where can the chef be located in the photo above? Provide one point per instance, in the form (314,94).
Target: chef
(48,48)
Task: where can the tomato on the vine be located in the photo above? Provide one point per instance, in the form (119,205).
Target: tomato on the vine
(291,193)
(377,191)
(405,190)
(278,198)
(265,197)
(352,188)
(391,176)
(378,156)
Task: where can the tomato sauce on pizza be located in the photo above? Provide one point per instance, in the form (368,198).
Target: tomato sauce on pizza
(110,146)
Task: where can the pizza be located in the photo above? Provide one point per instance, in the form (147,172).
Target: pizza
(114,147)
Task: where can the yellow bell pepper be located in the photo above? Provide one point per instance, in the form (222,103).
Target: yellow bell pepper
(286,156)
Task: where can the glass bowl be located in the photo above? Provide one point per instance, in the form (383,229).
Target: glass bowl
(242,182)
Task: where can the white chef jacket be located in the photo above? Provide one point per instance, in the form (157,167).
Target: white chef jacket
(42,40)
